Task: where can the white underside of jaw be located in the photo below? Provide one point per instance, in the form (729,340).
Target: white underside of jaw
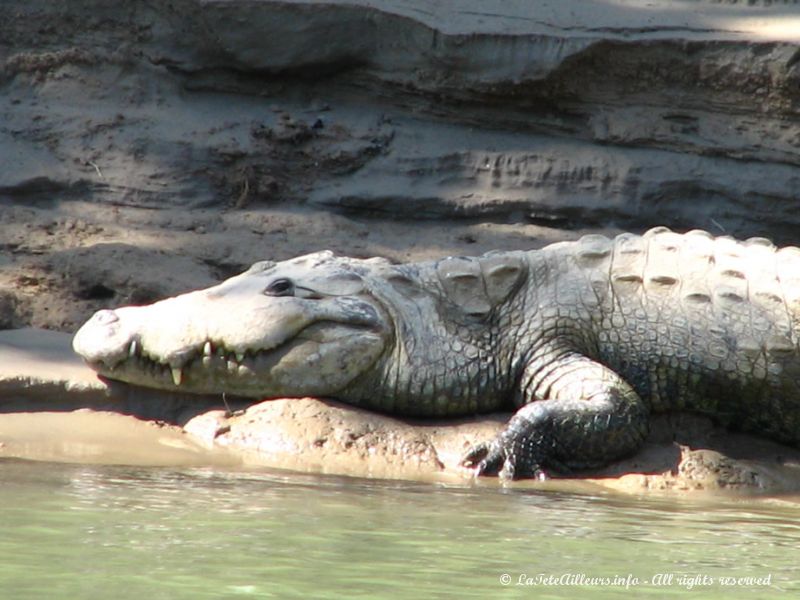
(211,356)
(209,352)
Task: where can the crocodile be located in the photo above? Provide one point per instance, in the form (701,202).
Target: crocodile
(585,339)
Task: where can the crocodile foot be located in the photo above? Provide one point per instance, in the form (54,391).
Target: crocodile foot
(513,454)
(493,458)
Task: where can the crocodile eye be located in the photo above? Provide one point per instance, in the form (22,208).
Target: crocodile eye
(280,287)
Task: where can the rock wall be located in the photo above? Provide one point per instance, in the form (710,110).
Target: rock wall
(574,115)
(224,132)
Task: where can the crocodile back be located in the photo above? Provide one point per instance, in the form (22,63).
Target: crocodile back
(697,322)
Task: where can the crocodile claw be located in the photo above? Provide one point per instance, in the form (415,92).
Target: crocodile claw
(475,458)
(498,458)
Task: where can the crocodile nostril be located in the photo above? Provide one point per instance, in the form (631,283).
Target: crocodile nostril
(106,317)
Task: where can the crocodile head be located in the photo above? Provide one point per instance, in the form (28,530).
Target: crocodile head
(306,326)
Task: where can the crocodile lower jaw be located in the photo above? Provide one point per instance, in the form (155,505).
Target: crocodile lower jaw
(213,366)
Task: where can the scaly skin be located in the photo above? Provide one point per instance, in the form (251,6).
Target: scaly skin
(586,338)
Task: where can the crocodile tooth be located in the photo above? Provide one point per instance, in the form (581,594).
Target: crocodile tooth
(233,367)
(239,357)
(177,375)
(207,349)
(132,350)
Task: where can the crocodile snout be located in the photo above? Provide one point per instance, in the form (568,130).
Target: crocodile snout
(102,338)
(104,317)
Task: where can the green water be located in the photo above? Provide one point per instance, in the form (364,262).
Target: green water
(85,532)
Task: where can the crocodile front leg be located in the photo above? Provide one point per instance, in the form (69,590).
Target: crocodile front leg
(587,415)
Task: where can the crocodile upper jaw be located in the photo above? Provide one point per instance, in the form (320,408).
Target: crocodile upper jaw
(284,346)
